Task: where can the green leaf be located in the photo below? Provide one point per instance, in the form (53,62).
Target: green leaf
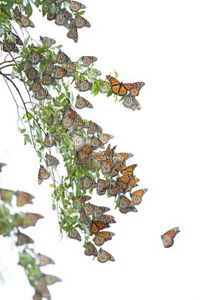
(27,139)
(28,10)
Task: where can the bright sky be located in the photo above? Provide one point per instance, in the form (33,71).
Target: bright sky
(155,42)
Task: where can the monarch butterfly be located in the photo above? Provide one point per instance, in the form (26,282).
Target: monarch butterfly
(42,94)
(35,57)
(90,249)
(99,211)
(85,152)
(76,6)
(50,16)
(119,88)
(59,72)
(26,22)
(98,156)
(60,18)
(50,279)
(128,171)
(87,182)
(36,86)
(131,102)
(41,290)
(32,74)
(46,41)
(126,205)
(114,189)
(82,22)
(49,141)
(109,152)
(104,256)
(73,34)
(70,68)
(82,103)
(136,88)
(168,237)
(123,156)
(78,142)
(84,219)
(44,260)
(94,127)
(83,85)
(69,117)
(117,166)
(43,174)
(23,198)
(107,219)
(102,186)
(82,199)
(102,237)
(132,183)
(95,142)
(96,226)
(47,79)
(106,166)
(74,234)
(9,46)
(18,41)
(28,219)
(51,160)
(23,239)
(137,196)
(86,61)
(104,137)
(62,58)
(17,12)
(49,68)
(37,296)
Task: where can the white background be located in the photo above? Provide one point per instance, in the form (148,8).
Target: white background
(156,42)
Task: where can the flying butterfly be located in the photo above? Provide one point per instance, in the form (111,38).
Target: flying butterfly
(83,85)
(87,182)
(168,237)
(35,57)
(23,198)
(62,58)
(104,256)
(86,61)
(90,249)
(9,46)
(51,160)
(82,22)
(23,239)
(96,226)
(43,174)
(25,22)
(73,34)
(74,234)
(44,260)
(76,6)
(102,186)
(102,237)
(131,102)
(93,128)
(47,42)
(119,88)
(82,103)
(137,196)
(28,219)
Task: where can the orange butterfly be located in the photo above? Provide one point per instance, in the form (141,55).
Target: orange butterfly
(85,152)
(107,219)
(106,166)
(117,166)
(43,174)
(168,237)
(90,249)
(128,171)
(123,156)
(94,127)
(102,186)
(23,239)
(109,152)
(137,196)
(114,189)
(87,182)
(119,88)
(28,219)
(96,226)
(74,234)
(104,137)
(104,256)
(102,236)
(126,205)
(23,198)
(82,103)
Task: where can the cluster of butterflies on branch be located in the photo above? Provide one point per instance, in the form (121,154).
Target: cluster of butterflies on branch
(71,19)
(24,220)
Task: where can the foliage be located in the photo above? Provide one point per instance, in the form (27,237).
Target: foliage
(11,225)
(73,150)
